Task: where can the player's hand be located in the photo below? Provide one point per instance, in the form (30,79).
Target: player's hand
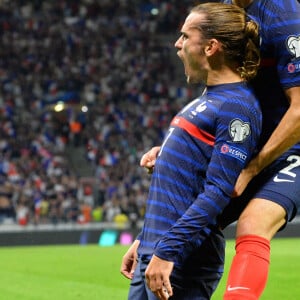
(129,260)
(149,158)
(243,180)
(252,169)
(158,277)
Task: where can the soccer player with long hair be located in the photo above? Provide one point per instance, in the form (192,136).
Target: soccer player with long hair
(180,250)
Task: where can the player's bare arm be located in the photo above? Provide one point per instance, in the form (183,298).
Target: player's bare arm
(284,136)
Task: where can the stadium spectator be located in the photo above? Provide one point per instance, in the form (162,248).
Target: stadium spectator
(130,208)
(111,208)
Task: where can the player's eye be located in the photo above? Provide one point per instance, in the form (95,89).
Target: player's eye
(184,36)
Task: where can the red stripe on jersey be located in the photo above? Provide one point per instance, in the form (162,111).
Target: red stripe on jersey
(193,130)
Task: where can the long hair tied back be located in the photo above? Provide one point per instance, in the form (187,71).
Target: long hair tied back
(250,65)
(238,34)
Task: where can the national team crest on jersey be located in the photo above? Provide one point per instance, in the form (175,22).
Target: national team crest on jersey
(239,130)
(293,46)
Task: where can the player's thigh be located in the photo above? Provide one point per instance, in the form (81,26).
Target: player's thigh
(261,217)
(276,200)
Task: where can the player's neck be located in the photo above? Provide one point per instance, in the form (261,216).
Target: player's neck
(222,77)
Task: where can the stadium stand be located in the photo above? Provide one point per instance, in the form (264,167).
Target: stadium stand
(86,88)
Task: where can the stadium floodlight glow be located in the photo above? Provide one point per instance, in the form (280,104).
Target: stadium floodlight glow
(59,106)
(84,108)
(154,11)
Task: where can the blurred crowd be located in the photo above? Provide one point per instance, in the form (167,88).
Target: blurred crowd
(111,64)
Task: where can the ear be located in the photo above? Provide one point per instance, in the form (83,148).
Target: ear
(212,47)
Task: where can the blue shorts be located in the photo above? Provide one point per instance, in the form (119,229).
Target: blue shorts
(196,280)
(279,183)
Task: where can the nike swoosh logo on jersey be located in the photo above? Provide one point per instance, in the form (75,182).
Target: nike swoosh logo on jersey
(234,288)
(276,179)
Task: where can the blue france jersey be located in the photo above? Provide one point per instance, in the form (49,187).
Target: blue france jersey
(279,22)
(207,145)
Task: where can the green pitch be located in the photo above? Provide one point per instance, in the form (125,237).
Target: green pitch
(92,272)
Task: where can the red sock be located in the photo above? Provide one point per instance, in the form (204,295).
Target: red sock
(249,269)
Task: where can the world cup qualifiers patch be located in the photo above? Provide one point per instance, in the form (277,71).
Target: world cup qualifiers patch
(234,152)
(239,130)
(293,46)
